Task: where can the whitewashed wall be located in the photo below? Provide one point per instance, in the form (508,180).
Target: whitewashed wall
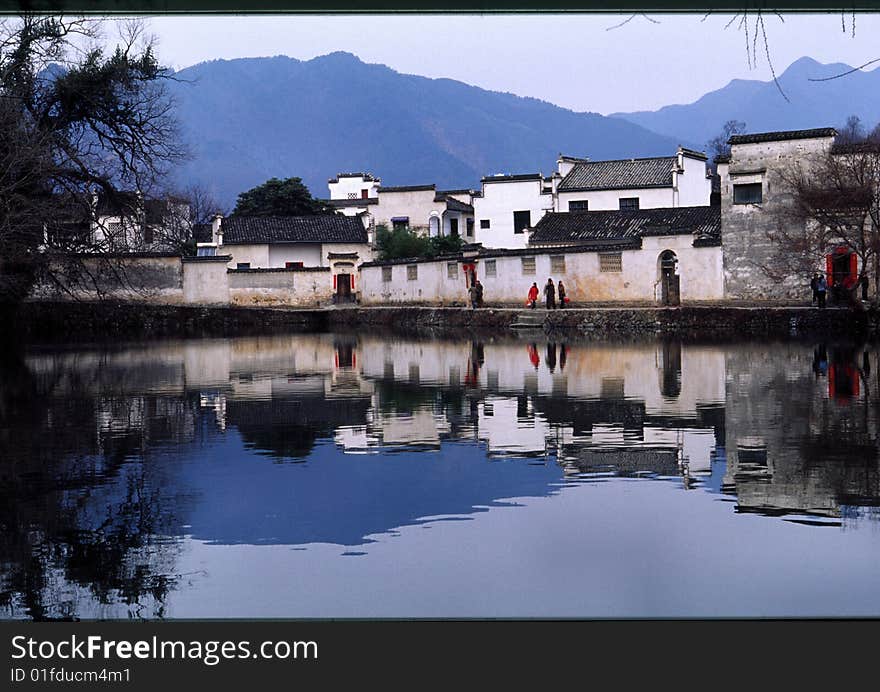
(639,281)
(499,201)
(347,185)
(416,204)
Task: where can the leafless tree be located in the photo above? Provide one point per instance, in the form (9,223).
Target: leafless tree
(76,125)
(830,201)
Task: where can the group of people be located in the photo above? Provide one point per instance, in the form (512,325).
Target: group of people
(841,291)
(551,293)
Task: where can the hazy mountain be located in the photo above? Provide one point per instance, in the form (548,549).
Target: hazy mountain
(250,119)
(763,108)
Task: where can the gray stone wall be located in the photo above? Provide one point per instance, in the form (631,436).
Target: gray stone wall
(745,227)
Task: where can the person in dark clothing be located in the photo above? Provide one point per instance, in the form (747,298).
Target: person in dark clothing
(561,293)
(863,282)
(814,282)
(479,288)
(821,289)
(550,294)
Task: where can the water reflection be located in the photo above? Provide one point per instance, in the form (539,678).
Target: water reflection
(112,461)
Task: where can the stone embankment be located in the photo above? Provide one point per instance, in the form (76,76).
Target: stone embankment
(59,321)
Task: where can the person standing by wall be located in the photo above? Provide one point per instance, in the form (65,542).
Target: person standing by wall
(814,282)
(821,289)
(561,293)
(533,295)
(479,288)
(550,294)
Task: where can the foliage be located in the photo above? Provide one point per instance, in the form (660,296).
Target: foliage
(402,243)
(289,197)
(75,124)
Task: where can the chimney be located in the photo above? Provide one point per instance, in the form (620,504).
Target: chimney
(217,230)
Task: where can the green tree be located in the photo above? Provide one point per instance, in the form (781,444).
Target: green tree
(402,243)
(74,123)
(289,197)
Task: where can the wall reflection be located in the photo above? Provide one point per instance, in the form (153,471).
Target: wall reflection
(111,458)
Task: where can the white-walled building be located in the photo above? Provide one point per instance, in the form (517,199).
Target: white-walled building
(646,183)
(509,206)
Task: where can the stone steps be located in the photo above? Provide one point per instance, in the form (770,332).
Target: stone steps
(530,319)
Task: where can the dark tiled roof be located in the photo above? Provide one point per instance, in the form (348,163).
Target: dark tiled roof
(722,158)
(202,233)
(508,178)
(620,175)
(598,245)
(567,227)
(693,154)
(365,176)
(783,135)
(868,147)
(335,228)
(406,188)
(453,204)
(454,192)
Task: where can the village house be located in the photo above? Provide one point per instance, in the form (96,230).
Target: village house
(656,256)
(421,208)
(628,184)
(511,205)
(325,250)
(754,202)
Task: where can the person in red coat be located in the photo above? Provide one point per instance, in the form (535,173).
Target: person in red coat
(533,295)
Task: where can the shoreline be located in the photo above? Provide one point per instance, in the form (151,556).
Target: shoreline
(38,321)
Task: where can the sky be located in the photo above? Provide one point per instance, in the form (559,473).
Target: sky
(586,62)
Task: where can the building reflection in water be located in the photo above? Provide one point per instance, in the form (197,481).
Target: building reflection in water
(105,453)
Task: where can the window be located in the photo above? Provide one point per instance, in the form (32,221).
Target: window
(747,194)
(365,193)
(629,203)
(579,205)
(352,195)
(469,226)
(399,225)
(521,221)
(610,262)
(148,234)
(206,252)
(557,264)
(528,266)
(386,273)
(293,265)
(243,265)
(484,223)
(453,227)
(491,269)
(412,272)
(452,270)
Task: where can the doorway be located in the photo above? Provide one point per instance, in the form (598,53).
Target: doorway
(670,288)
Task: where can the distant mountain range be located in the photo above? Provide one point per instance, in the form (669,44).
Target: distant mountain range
(764,109)
(250,119)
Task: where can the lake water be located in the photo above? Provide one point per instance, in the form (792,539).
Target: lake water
(366,476)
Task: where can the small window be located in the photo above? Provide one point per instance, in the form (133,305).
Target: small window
(491,269)
(452,270)
(557,264)
(629,203)
(399,225)
(148,234)
(293,265)
(579,205)
(352,195)
(206,252)
(528,266)
(484,223)
(412,272)
(610,262)
(453,227)
(747,194)
(243,265)
(386,273)
(469,227)
(521,221)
